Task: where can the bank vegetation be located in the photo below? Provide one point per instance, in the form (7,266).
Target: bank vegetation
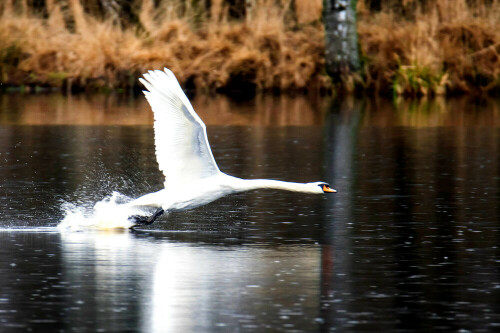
(408,47)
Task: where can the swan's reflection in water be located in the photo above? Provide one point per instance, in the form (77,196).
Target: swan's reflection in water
(160,285)
(108,273)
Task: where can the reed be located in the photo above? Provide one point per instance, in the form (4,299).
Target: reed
(448,46)
(212,53)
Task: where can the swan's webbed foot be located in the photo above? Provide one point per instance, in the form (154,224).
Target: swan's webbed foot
(144,220)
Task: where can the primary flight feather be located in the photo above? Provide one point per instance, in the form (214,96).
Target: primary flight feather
(192,178)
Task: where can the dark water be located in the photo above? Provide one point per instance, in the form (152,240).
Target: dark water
(409,243)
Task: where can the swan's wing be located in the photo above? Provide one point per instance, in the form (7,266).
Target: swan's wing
(182,148)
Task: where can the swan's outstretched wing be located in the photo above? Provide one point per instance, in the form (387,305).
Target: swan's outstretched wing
(182,148)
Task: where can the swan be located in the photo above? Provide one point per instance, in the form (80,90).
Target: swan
(192,178)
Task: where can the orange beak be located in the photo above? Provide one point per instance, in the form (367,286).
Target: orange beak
(327,189)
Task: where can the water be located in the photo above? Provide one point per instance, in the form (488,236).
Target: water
(409,243)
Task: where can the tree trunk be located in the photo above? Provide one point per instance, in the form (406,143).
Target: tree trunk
(342,52)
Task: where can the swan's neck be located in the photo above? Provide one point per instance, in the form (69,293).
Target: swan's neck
(255,184)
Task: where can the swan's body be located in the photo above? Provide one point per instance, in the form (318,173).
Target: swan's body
(212,188)
(192,178)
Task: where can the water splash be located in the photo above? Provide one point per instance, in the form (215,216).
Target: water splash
(109,213)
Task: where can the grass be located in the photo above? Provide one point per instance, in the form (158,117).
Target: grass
(260,53)
(447,47)
(450,47)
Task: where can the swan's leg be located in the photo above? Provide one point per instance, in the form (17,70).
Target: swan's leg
(142,220)
(153,217)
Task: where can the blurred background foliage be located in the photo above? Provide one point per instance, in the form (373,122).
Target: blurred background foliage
(406,47)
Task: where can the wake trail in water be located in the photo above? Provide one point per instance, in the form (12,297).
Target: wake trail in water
(109,213)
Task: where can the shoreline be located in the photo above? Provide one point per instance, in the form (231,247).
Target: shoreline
(437,53)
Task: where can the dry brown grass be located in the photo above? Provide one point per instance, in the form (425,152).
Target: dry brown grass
(450,47)
(261,53)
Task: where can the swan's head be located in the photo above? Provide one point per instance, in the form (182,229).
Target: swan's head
(322,187)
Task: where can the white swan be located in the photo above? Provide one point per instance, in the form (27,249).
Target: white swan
(192,177)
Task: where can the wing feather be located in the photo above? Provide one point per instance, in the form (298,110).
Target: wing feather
(182,149)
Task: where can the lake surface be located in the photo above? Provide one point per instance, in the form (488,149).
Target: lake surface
(409,243)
